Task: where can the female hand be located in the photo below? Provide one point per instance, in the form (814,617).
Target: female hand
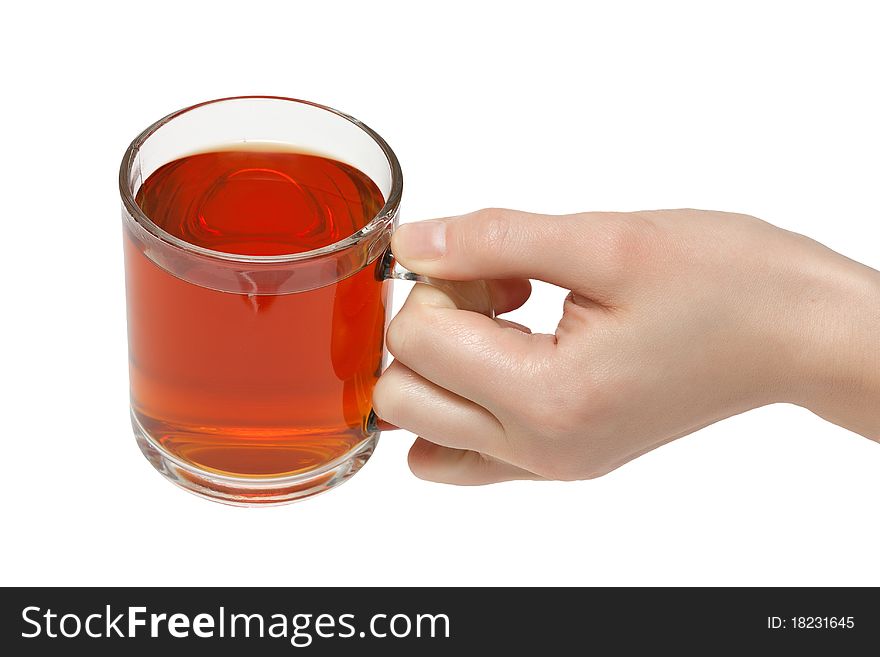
(675,320)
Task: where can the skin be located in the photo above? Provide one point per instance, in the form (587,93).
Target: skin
(676,319)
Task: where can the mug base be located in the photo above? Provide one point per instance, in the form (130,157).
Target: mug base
(255,490)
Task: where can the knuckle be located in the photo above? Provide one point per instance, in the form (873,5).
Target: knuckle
(630,241)
(552,459)
(494,230)
(553,409)
(569,462)
(404,329)
(566,421)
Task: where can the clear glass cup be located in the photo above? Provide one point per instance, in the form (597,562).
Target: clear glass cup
(278,430)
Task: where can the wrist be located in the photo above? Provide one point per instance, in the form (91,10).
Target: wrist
(841,381)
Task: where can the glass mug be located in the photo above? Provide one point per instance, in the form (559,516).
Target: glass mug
(252,376)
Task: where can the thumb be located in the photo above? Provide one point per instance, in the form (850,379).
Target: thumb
(580,252)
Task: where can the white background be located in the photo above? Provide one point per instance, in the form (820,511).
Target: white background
(767,108)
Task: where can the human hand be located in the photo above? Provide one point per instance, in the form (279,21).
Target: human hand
(676,319)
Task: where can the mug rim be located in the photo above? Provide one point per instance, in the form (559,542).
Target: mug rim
(376,224)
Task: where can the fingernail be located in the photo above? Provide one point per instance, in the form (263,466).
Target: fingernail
(425,240)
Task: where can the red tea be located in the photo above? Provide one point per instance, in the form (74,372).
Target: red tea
(244,384)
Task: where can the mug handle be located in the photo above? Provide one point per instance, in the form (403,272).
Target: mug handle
(467,295)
